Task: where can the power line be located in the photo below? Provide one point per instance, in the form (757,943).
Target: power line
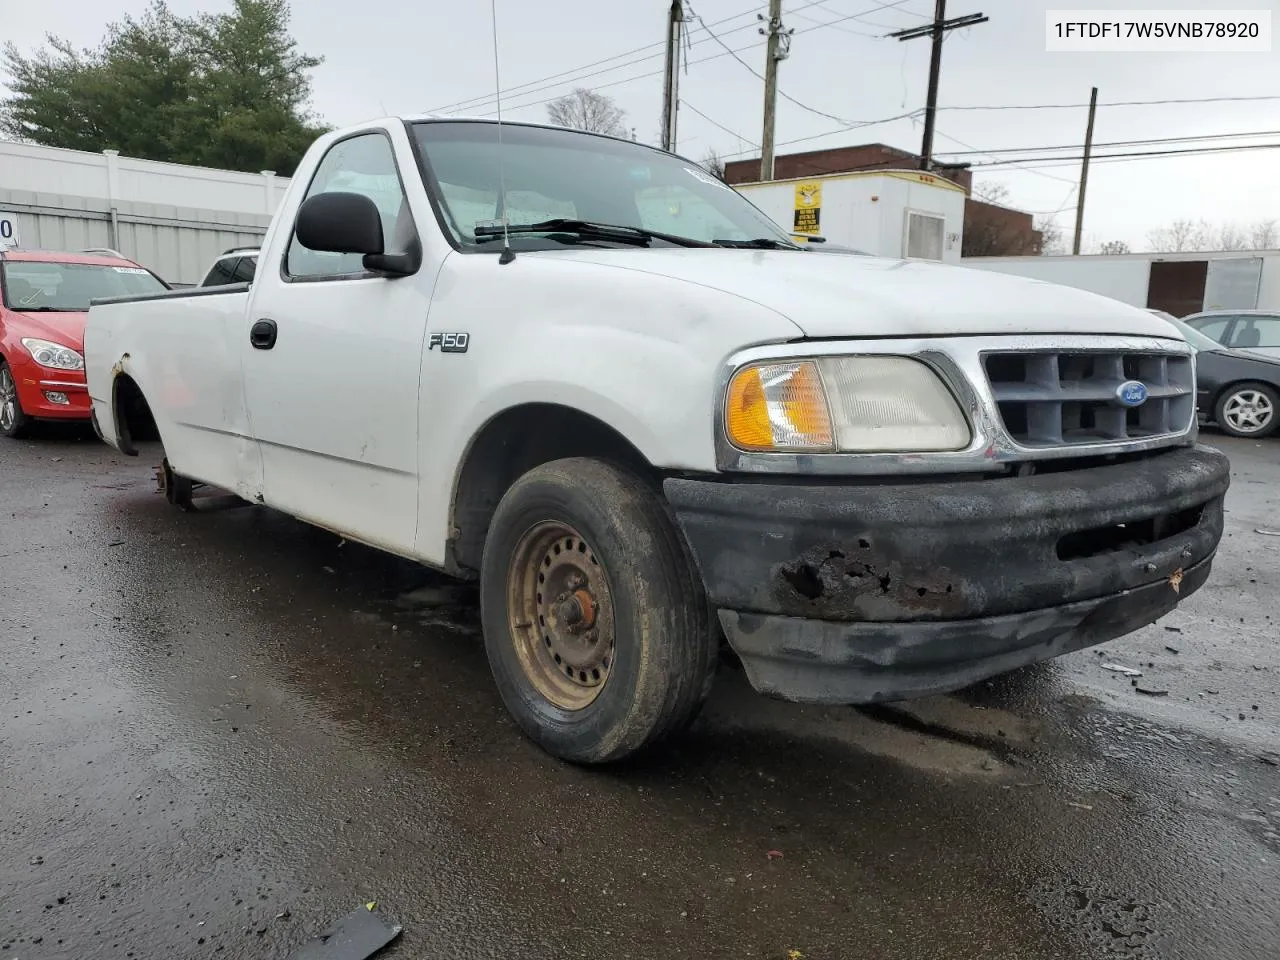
(568,76)
(1141,154)
(1115,103)
(911,114)
(486,98)
(991,154)
(689,63)
(718,124)
(1114,143)
(759,76)
(1123,103)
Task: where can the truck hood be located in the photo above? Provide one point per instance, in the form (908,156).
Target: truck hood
(835,296)
(66,329)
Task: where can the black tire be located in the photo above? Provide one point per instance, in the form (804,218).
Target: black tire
(1224,419)
(14,423)
(664,651)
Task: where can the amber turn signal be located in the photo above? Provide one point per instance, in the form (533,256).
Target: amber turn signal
(778,407)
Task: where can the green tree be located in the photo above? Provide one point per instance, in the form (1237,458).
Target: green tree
(223,90)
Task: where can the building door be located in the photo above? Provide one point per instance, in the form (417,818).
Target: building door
(1233,284)
(1177,286)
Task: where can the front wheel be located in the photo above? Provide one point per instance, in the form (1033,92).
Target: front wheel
(595,622)
(14,423)
(1248,410)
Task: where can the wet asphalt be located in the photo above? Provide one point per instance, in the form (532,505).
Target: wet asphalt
(221,731)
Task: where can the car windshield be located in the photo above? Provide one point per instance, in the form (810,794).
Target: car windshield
(41,285)
(558,174)
(1195,337)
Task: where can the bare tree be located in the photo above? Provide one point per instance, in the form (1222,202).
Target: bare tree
(1202,236)
(996,193)
(1262,235)
(713,163)
(587,110)
(1231,237)
(1114,247)
(1179,236)
(1052,242)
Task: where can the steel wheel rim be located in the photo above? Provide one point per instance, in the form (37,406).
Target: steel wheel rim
(1248,411)
(8,400)
(560,615)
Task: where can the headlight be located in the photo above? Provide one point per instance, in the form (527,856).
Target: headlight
(843,404)
(53,355)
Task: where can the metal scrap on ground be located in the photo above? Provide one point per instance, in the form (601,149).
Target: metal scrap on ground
(358,935)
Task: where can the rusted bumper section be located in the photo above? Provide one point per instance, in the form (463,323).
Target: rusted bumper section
(868,592)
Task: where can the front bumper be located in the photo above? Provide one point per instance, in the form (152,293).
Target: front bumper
(869,592)
(35,383)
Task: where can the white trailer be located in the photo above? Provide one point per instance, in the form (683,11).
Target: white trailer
(1180,283)
(887,213)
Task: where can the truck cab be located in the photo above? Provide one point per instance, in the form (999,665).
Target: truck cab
(602,383)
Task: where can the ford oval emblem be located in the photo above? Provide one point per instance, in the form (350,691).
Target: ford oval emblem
(1131,393)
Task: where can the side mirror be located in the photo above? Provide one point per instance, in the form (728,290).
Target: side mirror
(340,223)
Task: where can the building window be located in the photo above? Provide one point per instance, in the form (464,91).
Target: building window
(924,236)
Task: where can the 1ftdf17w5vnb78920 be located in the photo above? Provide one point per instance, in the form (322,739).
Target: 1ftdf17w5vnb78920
(600,381)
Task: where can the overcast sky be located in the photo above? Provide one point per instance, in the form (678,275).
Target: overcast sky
(390,56)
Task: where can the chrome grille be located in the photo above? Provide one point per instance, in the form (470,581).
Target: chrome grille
(1063,398)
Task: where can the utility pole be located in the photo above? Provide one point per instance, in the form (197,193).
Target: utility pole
(1084,172)
(779,48)
(937,30)
(671,86)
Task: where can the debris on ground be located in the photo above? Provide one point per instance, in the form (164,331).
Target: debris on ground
(1271,759)
(358,935)
(1171,649)
(1174,629)
(774,854)
(1151,691)
(1267,533)
(1121,668)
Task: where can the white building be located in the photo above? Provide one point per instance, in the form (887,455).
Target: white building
(1180,283)
(887,213)
(170,217)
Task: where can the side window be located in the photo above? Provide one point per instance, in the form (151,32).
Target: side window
(245,269)
(363,164)
(221,272)
(1215,328)
(1251,332)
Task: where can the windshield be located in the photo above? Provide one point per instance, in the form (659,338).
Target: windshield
(39,285)
(1195,337)
(562,174)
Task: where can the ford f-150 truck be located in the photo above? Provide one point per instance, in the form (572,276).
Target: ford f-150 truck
(598,380)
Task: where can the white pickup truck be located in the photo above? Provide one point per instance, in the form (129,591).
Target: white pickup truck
(600,381)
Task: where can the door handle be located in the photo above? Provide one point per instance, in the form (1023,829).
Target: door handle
(262,335)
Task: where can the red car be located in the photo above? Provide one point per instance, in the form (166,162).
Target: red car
(44,301)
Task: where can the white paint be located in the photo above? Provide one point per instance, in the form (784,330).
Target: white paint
(352,423)
(10,231)
(869,211)
(1126,277)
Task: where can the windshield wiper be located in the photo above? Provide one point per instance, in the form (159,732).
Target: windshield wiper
(587,228)
(758,243)
(21,309)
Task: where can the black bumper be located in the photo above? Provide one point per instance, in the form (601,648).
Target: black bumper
(869,592)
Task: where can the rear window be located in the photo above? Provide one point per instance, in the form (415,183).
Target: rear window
(36,286)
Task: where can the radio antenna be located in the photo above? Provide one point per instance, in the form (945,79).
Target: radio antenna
(507,255)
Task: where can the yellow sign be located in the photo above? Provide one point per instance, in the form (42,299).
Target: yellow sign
(808,207)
